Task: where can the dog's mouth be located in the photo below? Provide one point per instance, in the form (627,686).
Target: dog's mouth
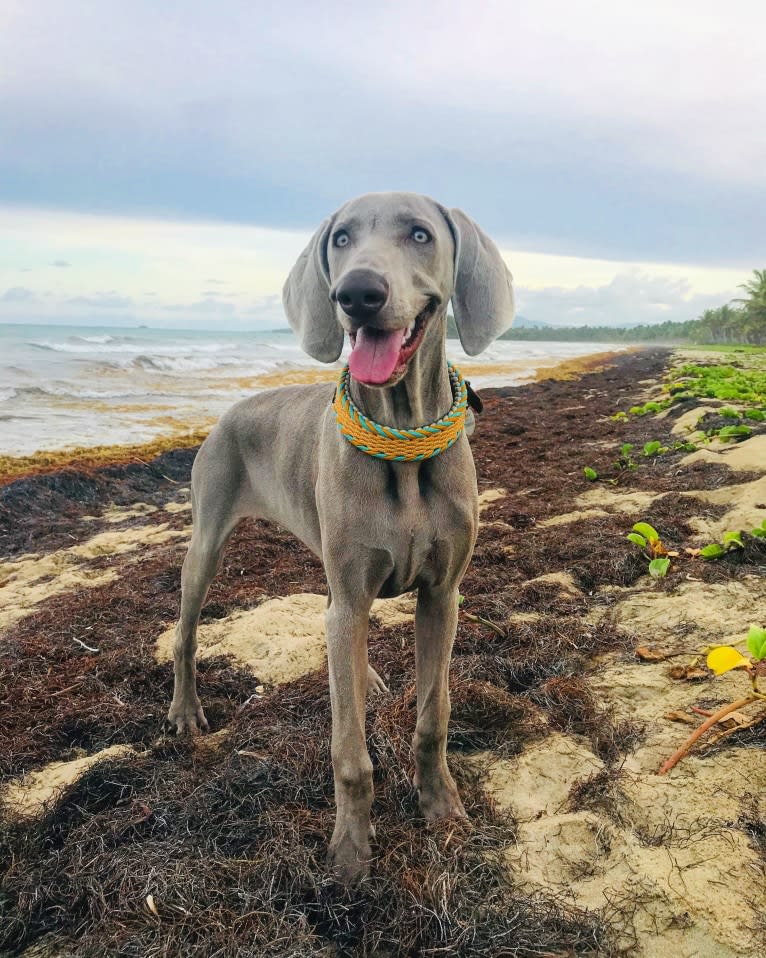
(379,356)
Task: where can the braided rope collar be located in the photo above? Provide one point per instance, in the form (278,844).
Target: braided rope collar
(401,445)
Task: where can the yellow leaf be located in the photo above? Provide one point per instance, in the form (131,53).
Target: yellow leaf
(725,658)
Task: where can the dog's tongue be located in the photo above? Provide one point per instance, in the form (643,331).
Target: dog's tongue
(375,354)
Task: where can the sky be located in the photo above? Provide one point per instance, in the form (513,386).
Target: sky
(166,163)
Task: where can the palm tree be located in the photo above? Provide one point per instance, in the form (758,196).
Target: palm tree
(755,288)
(754,306)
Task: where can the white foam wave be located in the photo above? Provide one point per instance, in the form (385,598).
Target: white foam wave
(6,394)
(182,364)
(71,391)
(95,339)
(109,344)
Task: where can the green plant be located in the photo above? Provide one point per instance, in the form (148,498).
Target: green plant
(734,432)
(760,531)
(624,460)
(651,406)
(733,540)
(713,551)
(741,384)
(590,474)
(648,541)
(654,448)
(728,413)
(679,446)
(729,541)
(619,417)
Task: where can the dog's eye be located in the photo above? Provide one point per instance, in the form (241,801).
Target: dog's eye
(420,235)
(341,238)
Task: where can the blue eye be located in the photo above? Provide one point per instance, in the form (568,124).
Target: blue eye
(420,235)
(341,238)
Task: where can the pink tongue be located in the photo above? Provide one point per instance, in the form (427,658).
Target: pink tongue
(375,354)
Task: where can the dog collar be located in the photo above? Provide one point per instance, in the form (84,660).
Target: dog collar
(401,445)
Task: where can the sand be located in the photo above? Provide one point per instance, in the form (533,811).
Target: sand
(28,797)
(27,581)
(281,639)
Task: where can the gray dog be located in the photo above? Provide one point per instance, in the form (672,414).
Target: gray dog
(382,269)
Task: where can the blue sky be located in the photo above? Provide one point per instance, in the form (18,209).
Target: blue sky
(616,153)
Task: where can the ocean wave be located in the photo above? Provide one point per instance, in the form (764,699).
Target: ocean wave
(68,391)
(182,364)
(124,344)
(98,339)
(6,394)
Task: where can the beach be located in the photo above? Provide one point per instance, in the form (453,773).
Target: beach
(575,675)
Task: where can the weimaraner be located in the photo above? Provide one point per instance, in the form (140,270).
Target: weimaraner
(382,269)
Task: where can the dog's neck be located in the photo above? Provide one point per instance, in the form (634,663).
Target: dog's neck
(422,395)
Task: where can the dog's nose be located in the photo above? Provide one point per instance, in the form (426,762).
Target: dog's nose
(362,293)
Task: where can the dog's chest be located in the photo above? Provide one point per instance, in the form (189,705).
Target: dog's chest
(429,529)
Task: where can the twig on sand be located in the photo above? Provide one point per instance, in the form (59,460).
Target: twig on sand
(488,622)
(87,647)
(155,470)
(69,688)
(676,757)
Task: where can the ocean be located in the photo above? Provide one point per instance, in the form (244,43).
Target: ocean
(68,386)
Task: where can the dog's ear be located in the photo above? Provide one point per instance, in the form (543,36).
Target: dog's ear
(306,298)
(482,300)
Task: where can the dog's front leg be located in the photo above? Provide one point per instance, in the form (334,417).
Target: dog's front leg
(347,625)
(435,626)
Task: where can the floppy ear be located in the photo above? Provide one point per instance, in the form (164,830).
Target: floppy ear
(306,298)
(482,300)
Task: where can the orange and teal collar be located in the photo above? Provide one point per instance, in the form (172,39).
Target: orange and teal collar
(401,445)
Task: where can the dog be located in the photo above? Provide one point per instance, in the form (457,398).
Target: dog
(381,270)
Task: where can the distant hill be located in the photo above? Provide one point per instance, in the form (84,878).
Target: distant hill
(520,322)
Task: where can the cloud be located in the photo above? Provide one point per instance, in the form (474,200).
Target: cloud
(18,294)
(102,301)
(61,263)
(631,297)
(202,307)
(622,131)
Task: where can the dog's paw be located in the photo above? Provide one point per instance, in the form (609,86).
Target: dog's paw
(349,861)
(375,684)
(438,798)
(187,719)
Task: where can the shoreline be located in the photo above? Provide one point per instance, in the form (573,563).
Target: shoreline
(86,458)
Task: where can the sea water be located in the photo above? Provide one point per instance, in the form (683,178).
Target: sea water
(67,386)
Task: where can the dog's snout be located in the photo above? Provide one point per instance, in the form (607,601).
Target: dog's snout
(361,293)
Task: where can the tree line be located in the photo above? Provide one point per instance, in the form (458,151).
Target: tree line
(741,322)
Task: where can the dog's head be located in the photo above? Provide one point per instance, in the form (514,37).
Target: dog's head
(380,269)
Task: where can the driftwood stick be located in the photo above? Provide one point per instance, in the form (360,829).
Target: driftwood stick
(676,757)
(499,630)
